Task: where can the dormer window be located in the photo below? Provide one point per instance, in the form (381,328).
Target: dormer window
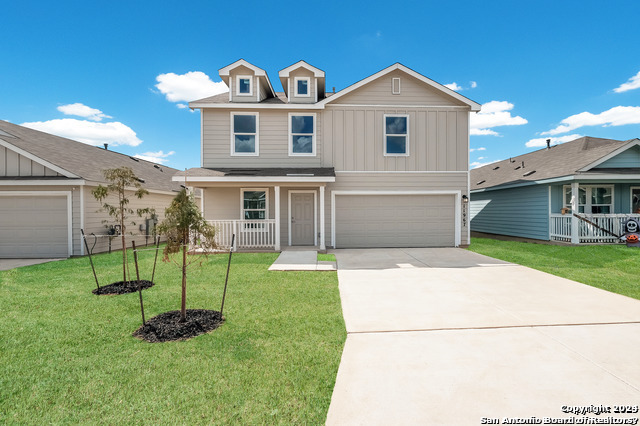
(244,85)
(301,86)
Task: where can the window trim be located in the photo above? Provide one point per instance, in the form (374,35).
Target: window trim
(393,81)
(313,135)
(233,152)
(295,87)
(631,188)
(241,77)
(384,136)
(587,189)
(266,202)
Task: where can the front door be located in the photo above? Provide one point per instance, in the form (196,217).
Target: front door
(302,219)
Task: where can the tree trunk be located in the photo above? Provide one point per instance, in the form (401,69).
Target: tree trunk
(183,307)
(124,253)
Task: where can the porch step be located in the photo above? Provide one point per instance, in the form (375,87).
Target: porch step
(301,260)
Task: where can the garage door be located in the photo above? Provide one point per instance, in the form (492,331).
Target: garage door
(394,221)
(33,226)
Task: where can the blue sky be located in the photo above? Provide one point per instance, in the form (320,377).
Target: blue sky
(120,72)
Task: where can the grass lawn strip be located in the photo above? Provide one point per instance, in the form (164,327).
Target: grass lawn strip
(614,268)
(67,356)
(326,257)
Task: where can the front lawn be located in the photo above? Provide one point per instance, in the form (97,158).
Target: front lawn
(67,356)
(614,268)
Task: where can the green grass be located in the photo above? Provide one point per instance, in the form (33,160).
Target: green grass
(327,257)
(614,268)
(67,356)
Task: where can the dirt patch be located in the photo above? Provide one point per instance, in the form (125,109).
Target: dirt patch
(167,327)
(122,287)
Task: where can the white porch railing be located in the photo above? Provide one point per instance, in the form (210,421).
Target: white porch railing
(250,234)
(560,227)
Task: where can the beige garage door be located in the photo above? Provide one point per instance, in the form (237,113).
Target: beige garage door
(33,226)
(395,221)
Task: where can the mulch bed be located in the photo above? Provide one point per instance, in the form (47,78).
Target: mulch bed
(167,327)
(122,287)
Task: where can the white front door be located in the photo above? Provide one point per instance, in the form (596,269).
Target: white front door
(302,218)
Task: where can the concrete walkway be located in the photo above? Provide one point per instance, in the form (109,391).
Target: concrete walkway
(301,260)
(7,264)
(449,337)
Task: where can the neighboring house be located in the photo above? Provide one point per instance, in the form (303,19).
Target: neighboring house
(381,163)
(534,195)
(45,193)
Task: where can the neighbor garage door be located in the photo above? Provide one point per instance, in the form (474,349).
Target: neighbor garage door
(394,221)
(33,226)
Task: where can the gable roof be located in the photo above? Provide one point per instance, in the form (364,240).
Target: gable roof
(567,159)
(259,72)
(398,66)
(77,160)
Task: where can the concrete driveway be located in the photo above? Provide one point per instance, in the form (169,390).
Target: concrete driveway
(447,336)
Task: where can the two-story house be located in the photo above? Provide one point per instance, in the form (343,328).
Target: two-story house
(381,163)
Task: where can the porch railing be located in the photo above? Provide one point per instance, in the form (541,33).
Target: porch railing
(560,227)
(250,234)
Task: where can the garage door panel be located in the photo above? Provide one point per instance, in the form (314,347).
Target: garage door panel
(33,226)
(394,221)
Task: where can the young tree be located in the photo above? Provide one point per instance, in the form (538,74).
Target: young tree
(120,180)
(184,225)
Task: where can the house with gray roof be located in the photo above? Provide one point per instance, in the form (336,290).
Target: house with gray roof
(580,192)
(45,193)
(381,163)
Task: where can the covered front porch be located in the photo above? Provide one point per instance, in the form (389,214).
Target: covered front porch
(592,212)
(266,209)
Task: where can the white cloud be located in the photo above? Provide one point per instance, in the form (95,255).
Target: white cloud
(473,84)
(182,106)
(82,110)
(477,164)
(188,87)
(616,116)
(89,132)
(494,114)
(482,148)
(542,142)
(482,158)
(155,157)
(633,83)
(453,86)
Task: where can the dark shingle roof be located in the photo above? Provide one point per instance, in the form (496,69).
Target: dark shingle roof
(223,98)
(257,171)
(560,160)
(84,160)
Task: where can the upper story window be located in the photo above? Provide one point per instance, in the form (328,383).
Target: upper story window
(244,133)
(396,135)
(244,85)
(301,85)
(302,134)
(591,199)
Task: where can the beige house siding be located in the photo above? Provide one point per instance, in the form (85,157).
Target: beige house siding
(93,218)
(273,140)
(412,92)
(353,140)
(302,72)
(14,164)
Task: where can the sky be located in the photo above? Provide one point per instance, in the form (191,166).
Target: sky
(122,72)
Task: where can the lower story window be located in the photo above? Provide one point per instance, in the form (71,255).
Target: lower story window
(254,204)
(591,199)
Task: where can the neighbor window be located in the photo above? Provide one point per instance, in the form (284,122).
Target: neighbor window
(396,135)
(244,85)
(254,204)
(302,130)
(591,199)
(302,86)
(635,200)
(244,133)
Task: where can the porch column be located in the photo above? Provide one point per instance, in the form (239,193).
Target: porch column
(277,227)
(575,225)
(322,245)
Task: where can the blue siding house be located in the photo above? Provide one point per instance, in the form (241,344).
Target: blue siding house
(580,192)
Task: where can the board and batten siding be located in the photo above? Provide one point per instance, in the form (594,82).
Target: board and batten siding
(273,140)
(520,212)
(354,139)
(13,164)
(395,182)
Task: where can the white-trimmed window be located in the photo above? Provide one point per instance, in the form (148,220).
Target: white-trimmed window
(302,134)
(255,203)
(302,86)
(396,134)
(592,199)
(635,199)
(244,85)
(245,129)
